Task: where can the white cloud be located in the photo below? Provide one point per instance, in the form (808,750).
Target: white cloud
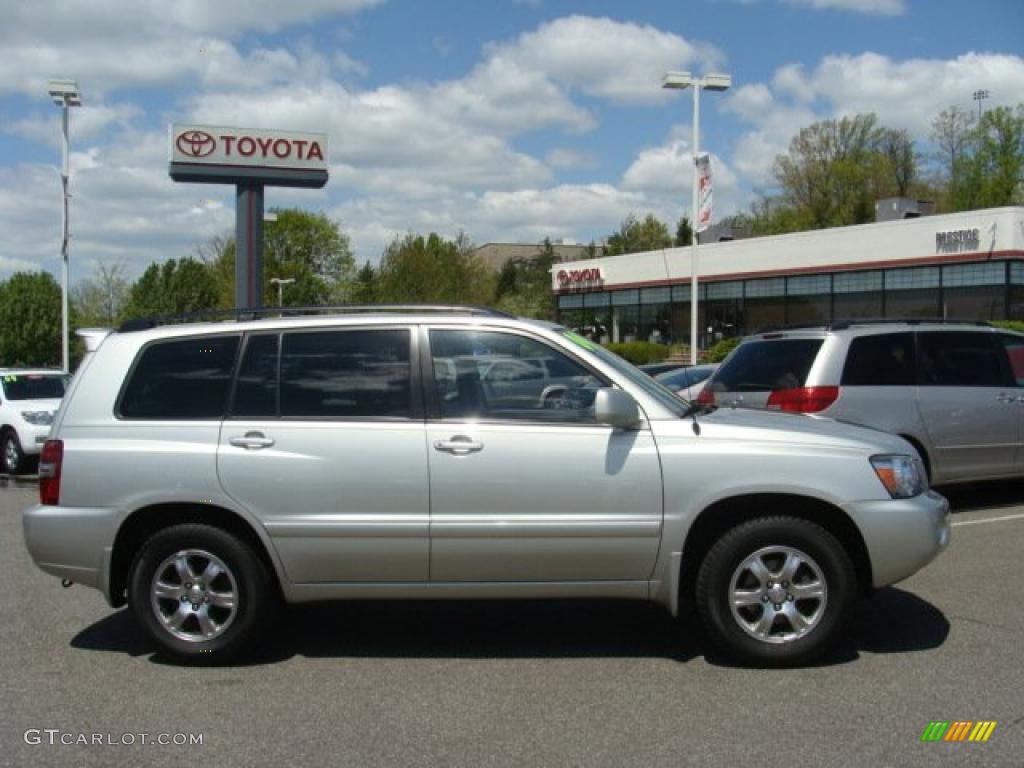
(871,7)
(570,159)
(619,61)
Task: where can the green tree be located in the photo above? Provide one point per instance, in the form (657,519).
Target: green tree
(900,161)
(307,247)
(684,232)
(951,132)
(30,326)
(635,236)
(524,284)
(364,290)
(99,299)
(416,269)
(173,288)
(831,174)
(990,173)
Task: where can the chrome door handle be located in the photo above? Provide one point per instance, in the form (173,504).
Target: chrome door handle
(459,445)
(252,441)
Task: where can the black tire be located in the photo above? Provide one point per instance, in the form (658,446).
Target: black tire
(14,459)
(781,643)
(245,576)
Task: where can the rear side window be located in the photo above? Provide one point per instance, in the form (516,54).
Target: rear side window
(1015,353)
(962,359)
(885,360)
(758,366)
(346,374)
(256,389)
(181,379)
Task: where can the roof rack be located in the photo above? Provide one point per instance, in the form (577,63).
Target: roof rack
(842,325)
(213,315)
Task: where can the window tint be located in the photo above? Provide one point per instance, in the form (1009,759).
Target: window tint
(885,360)
(186,379)
(962,359)
(256,389)
(346,374)
(1015,352)
(486,374)
(767,365)
(34,386)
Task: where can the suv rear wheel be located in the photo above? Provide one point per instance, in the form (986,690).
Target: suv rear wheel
(776,591)
(201,593)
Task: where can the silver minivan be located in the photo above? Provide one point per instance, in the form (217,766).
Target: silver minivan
(955,391)
(204,473)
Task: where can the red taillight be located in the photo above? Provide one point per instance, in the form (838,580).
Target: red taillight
(706,396)
(803,399)
(50,461)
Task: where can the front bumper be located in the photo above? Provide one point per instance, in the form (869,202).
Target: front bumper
(902,535)
(72,543)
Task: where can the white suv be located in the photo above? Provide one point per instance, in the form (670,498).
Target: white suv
(28,400)
(201,473)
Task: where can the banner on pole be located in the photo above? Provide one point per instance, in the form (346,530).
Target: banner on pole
(703,163)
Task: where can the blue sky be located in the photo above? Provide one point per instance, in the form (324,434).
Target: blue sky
(510,120)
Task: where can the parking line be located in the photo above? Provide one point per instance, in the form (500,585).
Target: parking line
(1002,519)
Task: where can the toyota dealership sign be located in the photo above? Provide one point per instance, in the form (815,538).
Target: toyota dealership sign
(245,147)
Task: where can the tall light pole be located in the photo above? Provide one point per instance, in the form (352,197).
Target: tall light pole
(980,96)
(64,94)
(710,82)
(281,283)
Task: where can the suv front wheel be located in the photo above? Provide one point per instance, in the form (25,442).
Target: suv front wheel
(776,591)
(201,593)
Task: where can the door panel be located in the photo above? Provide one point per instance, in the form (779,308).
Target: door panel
(529,488)
(341,501)
(332,461)
(968,404)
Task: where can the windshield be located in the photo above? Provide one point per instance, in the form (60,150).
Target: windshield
(664,396)
(34,386)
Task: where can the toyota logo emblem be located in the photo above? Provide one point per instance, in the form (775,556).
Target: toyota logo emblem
(195,143)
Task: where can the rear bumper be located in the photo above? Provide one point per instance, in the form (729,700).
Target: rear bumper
(902,535)
(72,543)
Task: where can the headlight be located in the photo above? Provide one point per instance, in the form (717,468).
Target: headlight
(39,418)
(903,476)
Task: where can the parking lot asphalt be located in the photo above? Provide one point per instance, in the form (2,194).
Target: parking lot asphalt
(532,683)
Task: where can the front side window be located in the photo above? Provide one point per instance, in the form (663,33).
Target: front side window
(882,360)
(962,359)
(494,375)
(346,374)
(181,379)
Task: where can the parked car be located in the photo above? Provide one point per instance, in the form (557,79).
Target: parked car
(687,382)
(203,472)
(28,400)
(955,391)
(653,369)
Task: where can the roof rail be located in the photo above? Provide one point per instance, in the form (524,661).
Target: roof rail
(841,325)
(144,323)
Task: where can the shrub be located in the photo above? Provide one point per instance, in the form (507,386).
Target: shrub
(1012,325)
(639,352)
(721,350)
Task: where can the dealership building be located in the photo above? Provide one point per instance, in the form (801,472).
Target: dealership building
(966,265)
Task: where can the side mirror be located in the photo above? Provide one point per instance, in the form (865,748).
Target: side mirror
(616,408)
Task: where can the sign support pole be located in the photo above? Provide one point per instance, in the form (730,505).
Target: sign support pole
(248,246)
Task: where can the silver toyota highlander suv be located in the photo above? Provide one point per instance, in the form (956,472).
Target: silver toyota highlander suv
(203,473)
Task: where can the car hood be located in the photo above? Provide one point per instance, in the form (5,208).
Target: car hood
(742,424)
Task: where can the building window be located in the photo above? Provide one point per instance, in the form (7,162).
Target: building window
(989,273)
(912,292)
(857,282)
(809,299)
(571,301)
(906,279)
